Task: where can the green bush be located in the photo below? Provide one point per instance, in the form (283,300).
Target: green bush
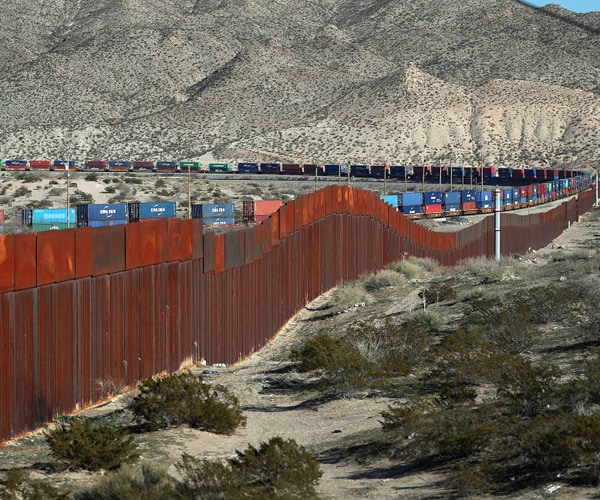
(185,398)
(89,446)
(278,469)
(342,366)
(438,292)
(91,177)
(18,484)
(144,482)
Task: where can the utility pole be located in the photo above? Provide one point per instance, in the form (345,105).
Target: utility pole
(68,202)
(189,183)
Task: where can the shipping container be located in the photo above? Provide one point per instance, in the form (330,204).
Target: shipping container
(119,165)
(16,165)
(143,166)
(150,210)
(292,168)
(219,167)
(95,165)
(48,215)
(62,165)
(399,172)
(359,170)
(332,169)
(410,209)
(484,199)
(379,171)
(433,208)
(390,199)
(52,226)
(432,198)
(531,174)
(421,173)
(102,223)
(270,168)
(410,199)
(467,195)
(247,167)
(490,173)
(192,166)
(101,211)
(40,164)
(218,221)
(505,173)
(451,197)
(166,166)
(259,208)
(468,206)
(311,169)
(451,207)
(206,210)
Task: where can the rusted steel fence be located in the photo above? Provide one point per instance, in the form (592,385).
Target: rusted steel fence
(85,312)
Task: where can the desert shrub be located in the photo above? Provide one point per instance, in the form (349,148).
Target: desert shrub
(145,481)
(80,198)
(425,320)
(278,469)
(470,480)
(349,294)
(342,366)
(19,484)
(91,446)
(438,292)
(394,348)
(22,191)
(382,279)
(91,177)
(132,180)
(44,203)
(410,268)
(185,398)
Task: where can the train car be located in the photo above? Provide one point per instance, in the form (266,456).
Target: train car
(311,169)
(422,173)
(166,166)
(40,164)
(220,167)
(119,165)
(490,173)
(292,168)
(99,165)
(399,172)
(360,170)
(247,167)
(143,166)
(192,166)
(16,165)
(380,171)
(331,169)
(410,204)
(62,165)
(269,168)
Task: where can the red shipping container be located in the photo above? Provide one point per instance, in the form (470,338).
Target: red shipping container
(468,205)
(40,164)
(254,210)
(434,208)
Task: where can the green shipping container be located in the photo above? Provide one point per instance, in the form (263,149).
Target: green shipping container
(192,165)
(49,227)
(219,167)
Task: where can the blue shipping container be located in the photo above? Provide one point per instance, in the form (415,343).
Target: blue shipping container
(162,209)
(467,195)
(102,223)
(334,169)
(248,167)
(390,199)
(432,197)
(51,215)
(410,199)
(215,221)
(452,197)
(207,210)
(451,207)
(411,209)
(102,211)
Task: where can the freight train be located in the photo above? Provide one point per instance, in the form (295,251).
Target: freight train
(429,174)
(414,205)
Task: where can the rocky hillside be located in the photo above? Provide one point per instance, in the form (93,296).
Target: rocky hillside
(454,81)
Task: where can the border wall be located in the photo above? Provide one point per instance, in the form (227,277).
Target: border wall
(86,312)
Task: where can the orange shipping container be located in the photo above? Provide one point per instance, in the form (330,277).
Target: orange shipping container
(253,210)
